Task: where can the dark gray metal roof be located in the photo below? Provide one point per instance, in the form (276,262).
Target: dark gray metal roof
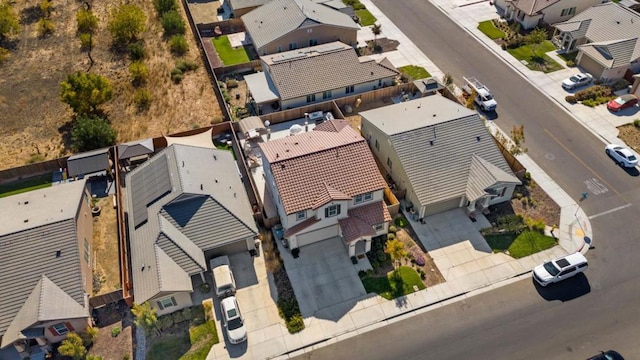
(436,140)
(29,253)
(148,185)
(88,162)
(135,148)
(206,196)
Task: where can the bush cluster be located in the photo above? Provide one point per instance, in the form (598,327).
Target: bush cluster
(355,4)
(594,95)
(512,38)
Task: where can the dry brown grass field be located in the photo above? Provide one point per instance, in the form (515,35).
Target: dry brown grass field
(35,123)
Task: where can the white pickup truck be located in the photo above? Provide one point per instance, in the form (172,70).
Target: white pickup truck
(483,97)
(225,284)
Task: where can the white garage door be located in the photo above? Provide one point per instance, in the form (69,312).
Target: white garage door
(317,235)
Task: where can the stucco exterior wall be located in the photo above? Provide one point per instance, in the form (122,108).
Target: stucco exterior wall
(84,230)
(337,93)
(182,299)
(553,14)
(321,33)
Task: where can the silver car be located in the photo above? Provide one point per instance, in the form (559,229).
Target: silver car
(576,81)
(232,320)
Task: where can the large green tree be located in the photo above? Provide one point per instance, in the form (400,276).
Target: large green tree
(92,132)
(9,24)
(72,347)
(85,92)
(126,24)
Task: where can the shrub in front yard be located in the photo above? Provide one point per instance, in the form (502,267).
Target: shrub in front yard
(620,84)
(391,236)
(290,312)
(593,92)
(636,123)
(571,99)
(392,229)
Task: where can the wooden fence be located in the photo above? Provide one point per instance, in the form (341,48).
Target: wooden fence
(376,95)
(233,70)
(31,170)
(229,26)
(515,165)
(298,113)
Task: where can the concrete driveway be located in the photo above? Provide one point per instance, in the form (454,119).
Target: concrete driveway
(323,276)
(461,253)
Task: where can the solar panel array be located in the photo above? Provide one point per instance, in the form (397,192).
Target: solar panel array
(149,184)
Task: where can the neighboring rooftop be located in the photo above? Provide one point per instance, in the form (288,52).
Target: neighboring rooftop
(317,165)
(612,29)
(323,67)
(437,141)
(40,259)
(532,7)
(415,114)
(88,162)
(177,201)
(277,18)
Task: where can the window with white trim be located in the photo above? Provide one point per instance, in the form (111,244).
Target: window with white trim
(568,11)
(61,328)
(313,42)
(326,94)
(301,215)
(311,98)
(378,227)
(389,163)
(167,302)
(377,145)
(360,198)
(293,46)
(331,211)
(349,89)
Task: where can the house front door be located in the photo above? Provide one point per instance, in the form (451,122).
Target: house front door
(361,247)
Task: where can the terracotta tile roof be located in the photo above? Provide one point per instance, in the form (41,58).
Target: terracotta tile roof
(304,165)
(328,194)
(362,219)
(301,226)
(332,126)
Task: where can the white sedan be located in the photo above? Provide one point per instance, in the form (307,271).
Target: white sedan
(621,155)
(576,81)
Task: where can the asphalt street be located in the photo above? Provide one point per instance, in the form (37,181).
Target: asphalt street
(572,320)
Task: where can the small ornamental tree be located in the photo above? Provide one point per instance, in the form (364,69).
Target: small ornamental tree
(376,29)
(395,249)
(72,347)
(535,38)
(126,24)
(91,133)
(145,317)
(85,92)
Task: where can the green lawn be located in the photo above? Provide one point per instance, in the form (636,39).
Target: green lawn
(570,56)
(391,287)
(34,183)
(415,72)
(192,346)
(228,54)
(366,18)
(490,30)
(525,52)
(525,244)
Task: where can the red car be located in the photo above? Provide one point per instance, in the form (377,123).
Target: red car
(622,102)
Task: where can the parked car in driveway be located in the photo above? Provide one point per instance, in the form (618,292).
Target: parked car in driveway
(233,322)
(622,156)
(560,269)
(607,355)
(622,102)
(576,81)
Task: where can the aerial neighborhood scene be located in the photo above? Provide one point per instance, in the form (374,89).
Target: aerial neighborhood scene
(319,179)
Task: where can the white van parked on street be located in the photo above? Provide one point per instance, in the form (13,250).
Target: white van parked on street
(560,269)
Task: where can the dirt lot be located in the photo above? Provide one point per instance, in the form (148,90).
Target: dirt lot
(34,119)
(105,247)
(630,134)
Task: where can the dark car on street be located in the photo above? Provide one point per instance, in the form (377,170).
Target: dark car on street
(607,355)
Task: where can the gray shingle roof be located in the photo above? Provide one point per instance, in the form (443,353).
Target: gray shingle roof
(608,24)
(243,4)
(440,171)
(135,148)
(277,18)
(533,7)
(482,175)
(29,253)
(320,68)
(88,162)
(206,195)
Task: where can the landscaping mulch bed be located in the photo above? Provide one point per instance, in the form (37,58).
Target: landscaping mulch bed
(537,206)
(630,134)
(381,45)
